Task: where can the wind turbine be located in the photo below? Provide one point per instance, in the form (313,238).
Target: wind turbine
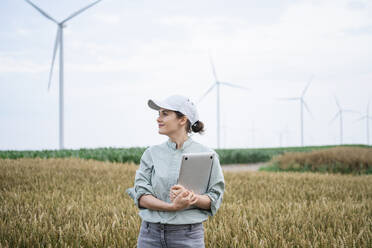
(281,133)
(367,117)
(59,44)
(339,113)
(302,105)
(224,128)
(217,84)
(252,131)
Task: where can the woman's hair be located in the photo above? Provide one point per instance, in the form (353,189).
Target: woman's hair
(198,126)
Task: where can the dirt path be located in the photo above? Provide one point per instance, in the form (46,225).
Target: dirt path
(242,167)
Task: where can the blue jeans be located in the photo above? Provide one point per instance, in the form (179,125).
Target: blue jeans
(156,235)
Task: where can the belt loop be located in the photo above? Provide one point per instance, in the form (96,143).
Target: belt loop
(191,227)
(147,224)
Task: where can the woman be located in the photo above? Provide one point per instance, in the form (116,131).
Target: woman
(162,203)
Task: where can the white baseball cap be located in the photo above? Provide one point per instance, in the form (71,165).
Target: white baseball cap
(177,103)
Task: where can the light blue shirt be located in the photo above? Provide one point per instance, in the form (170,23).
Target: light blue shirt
(158,172)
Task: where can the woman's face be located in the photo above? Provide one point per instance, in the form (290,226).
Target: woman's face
(168,122)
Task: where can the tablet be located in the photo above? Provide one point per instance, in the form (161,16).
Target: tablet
(195,171)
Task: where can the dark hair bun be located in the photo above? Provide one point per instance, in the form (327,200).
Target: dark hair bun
(198,127)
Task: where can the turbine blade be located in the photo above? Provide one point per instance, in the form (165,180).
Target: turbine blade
(41,11)
(307,108)
(307,86)
(235,86)
(207,92)
(334,117)
(79,11)
(56,44)
(213,68)
(338,104)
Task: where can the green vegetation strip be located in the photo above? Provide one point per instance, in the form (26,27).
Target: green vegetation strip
(344,160)
(73,202)
(122,155)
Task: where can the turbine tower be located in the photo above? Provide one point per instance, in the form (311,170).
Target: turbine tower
(252,131)
(59,44)
(281,133)
(367,117)
(217,84)
(339,113)
(302,105)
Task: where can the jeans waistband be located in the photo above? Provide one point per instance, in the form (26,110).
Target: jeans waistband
(171,226)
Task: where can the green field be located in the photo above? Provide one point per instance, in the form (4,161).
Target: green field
(71,202)
(122,155)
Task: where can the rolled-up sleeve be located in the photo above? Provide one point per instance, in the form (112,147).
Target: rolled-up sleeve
(142,181)
(216,186)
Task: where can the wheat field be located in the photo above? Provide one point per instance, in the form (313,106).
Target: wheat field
(72,202)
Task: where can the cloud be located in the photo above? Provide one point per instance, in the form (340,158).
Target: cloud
(110,72)
(23,32)
(362,30)
(10,64)
(356,5)
(107,18)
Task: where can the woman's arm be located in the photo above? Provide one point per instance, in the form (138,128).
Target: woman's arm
(203,202)
(142,180)
(183,200)
(151,202)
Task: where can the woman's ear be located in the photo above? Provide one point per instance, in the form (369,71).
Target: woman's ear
(183,120)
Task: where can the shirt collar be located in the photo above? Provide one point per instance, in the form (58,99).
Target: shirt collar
(173,145)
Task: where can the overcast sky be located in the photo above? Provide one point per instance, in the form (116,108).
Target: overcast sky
(118,54)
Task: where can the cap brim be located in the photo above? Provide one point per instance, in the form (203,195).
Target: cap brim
(157,104)
(152,104)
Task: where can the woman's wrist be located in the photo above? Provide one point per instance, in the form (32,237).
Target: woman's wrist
(172,207)
(198,197)
(203,202)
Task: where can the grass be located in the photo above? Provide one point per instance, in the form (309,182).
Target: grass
(70,202)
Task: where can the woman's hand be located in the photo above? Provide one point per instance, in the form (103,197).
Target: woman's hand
(175,190)
(184,199)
